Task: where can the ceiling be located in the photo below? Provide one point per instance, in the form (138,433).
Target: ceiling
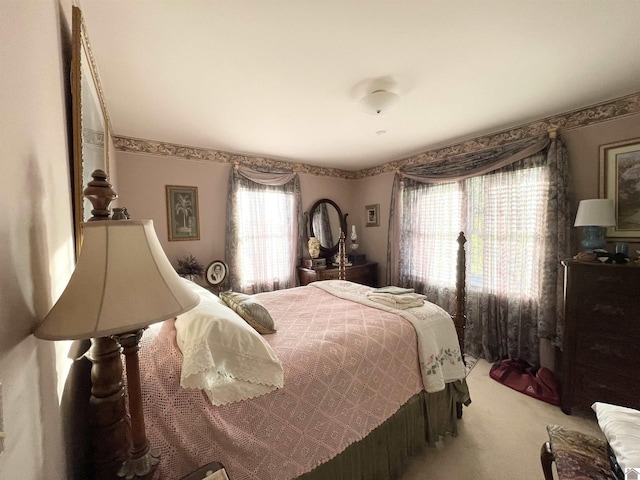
(282,79)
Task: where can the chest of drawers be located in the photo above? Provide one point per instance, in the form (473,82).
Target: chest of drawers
(601,346)
(366,274)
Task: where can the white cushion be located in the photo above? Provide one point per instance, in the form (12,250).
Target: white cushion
(223,354)
(621,428)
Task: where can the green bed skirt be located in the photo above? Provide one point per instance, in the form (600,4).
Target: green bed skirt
(385,452)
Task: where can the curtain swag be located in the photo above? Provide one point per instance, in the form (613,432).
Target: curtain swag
(266,178)
(473,165)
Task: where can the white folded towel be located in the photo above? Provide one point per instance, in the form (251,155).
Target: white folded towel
(400,301)
(393,290)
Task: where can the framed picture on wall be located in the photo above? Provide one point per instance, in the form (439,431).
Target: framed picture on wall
(620,181)
(372,214)
(182,213)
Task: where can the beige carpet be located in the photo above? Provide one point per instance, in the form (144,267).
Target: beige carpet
(500,435)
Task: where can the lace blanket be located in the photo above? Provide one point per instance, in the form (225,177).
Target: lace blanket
(438,346)
(347,368)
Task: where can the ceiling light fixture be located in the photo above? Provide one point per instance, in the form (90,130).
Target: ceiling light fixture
(378,102)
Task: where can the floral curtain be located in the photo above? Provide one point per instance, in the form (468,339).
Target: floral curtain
(512,205)
(265,229)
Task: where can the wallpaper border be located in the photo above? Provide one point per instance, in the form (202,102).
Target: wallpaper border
(602,112)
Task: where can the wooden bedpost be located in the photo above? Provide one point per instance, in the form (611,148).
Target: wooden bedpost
(110,429)
(459,315)
(342,258)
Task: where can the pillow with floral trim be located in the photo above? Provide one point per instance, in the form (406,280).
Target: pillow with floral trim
(252,311)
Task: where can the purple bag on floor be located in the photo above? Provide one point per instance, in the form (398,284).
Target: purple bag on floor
(538,383)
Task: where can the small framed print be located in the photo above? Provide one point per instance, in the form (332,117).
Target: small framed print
(619,181)
(216,273)
(372,213)
(182,213)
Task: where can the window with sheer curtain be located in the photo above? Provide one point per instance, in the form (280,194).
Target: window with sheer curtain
(501,214)
(512,203)
(265,236)
(263,230)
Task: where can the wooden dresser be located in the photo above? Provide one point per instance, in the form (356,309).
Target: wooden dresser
(601,351)
(366,273)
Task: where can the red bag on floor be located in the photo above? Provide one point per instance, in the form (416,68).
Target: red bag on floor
(539,382)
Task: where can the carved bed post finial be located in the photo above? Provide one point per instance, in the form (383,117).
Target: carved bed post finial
(459,316)
(100,193)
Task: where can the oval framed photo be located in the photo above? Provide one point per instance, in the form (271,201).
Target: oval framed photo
(216,272)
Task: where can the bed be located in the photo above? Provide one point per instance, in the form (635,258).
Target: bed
(362,385)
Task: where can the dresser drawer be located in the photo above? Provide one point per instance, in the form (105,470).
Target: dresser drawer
(606,313)
(608,352)
(333,274)
(595,385)
(366,274)
(604,279)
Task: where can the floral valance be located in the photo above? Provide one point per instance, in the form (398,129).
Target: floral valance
(479,163)
(272,177)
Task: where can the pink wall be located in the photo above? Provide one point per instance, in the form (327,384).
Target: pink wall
(142,179)
(373,240)
(36,230)
(584,150)
(141,188)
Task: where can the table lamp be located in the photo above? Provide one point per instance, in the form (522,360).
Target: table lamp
(122,283)
(594,215)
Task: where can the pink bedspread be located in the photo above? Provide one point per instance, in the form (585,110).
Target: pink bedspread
(347,366)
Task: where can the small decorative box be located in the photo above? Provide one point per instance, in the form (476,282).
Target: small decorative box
(357,258)
(315,262)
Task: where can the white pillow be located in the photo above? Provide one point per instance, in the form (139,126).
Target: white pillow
(621,428)
(223,354)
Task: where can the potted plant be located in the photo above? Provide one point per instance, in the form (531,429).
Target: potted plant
(188,267)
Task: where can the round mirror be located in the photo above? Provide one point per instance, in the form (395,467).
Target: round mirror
(326,221)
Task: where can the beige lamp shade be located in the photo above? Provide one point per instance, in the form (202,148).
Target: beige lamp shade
(123,281)
(595,213)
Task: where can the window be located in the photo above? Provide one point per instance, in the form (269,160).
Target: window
(431,216)
(506,214)
(264,229)
(501,213)
(266,237)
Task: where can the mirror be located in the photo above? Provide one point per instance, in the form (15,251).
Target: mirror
(90,122)
(325,222)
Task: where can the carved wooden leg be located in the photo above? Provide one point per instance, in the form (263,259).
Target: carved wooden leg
(546,459)
(142,460)
(107,404)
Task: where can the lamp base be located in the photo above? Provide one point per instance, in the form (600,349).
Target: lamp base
(593,238)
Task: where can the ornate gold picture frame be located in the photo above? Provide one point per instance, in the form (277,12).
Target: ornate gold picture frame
(620,181)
